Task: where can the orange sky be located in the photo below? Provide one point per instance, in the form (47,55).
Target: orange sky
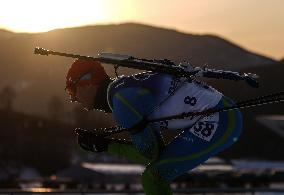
(256,25)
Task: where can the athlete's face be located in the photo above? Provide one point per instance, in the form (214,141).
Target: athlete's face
(86,95)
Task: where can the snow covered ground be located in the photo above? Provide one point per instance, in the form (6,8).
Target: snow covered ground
(258,165)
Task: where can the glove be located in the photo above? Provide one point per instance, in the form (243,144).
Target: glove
(91,142)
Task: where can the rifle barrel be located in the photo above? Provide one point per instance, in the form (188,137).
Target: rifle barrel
(42,51)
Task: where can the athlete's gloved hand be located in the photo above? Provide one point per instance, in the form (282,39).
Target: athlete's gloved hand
(91,142)
(251,79)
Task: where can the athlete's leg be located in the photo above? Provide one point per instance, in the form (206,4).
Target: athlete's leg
(191,149)
(153,184)
(128,152)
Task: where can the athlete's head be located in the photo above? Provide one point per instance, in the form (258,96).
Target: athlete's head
(82,81)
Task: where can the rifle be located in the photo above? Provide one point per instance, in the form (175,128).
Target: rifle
(157,65)
(163,66)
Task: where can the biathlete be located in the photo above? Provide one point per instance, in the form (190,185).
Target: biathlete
(151,95)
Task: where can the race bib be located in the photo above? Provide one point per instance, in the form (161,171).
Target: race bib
(206,127)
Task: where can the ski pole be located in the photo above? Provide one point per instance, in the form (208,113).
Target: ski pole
(258,101)
(239,105)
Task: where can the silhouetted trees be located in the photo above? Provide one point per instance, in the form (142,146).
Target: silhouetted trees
(35,142)
(7,97)
(55,108)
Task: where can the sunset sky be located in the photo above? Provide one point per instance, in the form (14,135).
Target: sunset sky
(257,25)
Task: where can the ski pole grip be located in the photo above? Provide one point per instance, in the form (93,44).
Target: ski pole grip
(41,51)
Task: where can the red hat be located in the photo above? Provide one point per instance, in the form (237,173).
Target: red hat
(84,72)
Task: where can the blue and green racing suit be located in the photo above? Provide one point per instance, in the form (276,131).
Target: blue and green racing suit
(156,95)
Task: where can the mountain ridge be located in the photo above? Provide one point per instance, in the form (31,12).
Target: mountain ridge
(37,78)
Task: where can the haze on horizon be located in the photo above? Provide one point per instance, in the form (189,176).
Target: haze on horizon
(256,25)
